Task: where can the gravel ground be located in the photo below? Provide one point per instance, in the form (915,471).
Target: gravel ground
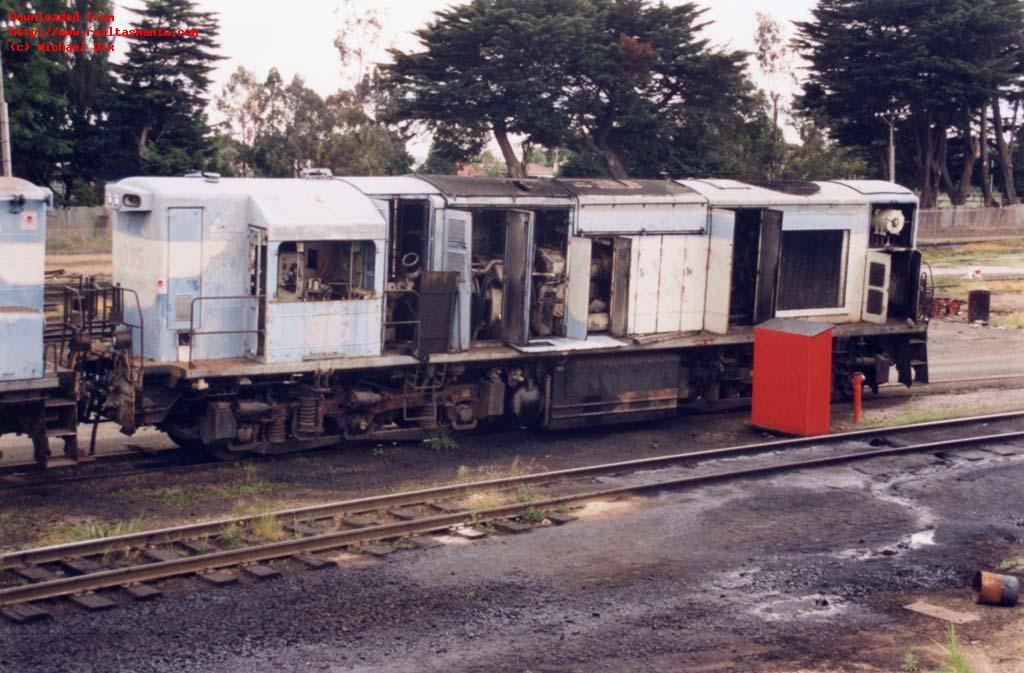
(805,570)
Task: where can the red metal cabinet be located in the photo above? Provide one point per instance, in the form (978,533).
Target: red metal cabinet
(792,376)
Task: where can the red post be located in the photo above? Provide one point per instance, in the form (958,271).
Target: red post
(858,387)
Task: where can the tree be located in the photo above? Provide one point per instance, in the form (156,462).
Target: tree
(491,67)
(37,100)
(936,62)
(88,85)
(598,76)
(773,59)
(603,77)
(162,89)
(281,128)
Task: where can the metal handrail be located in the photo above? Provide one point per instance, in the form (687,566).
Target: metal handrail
(193,333)
(116,292)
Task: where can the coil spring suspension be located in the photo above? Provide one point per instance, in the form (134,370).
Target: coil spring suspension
(276,430)
(308,407)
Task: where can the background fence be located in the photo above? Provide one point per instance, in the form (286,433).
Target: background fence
(81,229)
(963,224)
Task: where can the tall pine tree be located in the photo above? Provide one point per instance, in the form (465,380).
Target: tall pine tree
(35,92)
(935,63)
(162,90)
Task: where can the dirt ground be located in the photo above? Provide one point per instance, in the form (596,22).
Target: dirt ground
(806,571)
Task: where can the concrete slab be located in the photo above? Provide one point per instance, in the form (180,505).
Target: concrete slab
(315,562)
(142,592)
(260,571)
(448,507)
(24,614)
(159,554)
(467,532)
(424,541)
(939,612)
(304,530)
(1005,449)
(80,566)
(558,518)
(972,455)
(35,573)
(377,549)
(196,546)
(359,521)
(92,602)
(406,513)
(512,527)
(219,577)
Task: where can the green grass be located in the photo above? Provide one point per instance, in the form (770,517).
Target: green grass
(918,416)
(244,483)
(956,659)
(63,243)
(531,515)
(910,663)
(1014,320)
(231,538)
(89,530)
(960,253)
(440,441)
(1010,563)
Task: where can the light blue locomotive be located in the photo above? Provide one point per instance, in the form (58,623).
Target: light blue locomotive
(37,393)
(278,315)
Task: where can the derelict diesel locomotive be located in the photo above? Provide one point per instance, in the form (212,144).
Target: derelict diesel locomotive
(275,315)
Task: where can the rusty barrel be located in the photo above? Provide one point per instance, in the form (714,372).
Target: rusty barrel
(977,305)
(995,589)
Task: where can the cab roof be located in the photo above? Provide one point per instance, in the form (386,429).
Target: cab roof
(288,208)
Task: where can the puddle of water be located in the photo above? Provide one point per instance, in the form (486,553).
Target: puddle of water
(814,606)
(923,538)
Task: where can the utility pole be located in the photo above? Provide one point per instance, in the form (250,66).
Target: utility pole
(5,128)
(890,117)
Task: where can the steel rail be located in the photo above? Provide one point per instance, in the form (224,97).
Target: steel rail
(274,550)
(377,502)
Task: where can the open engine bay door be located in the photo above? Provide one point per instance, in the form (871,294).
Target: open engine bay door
(769,252)
(876,287)
(718,293)
(256,318)
(458,256)
(515,305)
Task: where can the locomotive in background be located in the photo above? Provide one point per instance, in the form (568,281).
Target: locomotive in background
(267,316)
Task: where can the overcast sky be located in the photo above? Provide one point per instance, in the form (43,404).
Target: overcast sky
(298,37)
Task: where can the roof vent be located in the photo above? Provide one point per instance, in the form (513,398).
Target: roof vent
(795,187)
(208,176)
(316,173)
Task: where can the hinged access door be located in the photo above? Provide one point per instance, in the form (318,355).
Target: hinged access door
(256,311)
(618,313)
(718,291)
(458,256)
(768,265)
(184,264)
(876,287)
(515,311)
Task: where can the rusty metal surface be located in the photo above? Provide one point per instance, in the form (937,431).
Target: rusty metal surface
(995,589)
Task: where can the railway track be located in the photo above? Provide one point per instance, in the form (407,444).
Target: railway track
(132,563)
(132,463)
